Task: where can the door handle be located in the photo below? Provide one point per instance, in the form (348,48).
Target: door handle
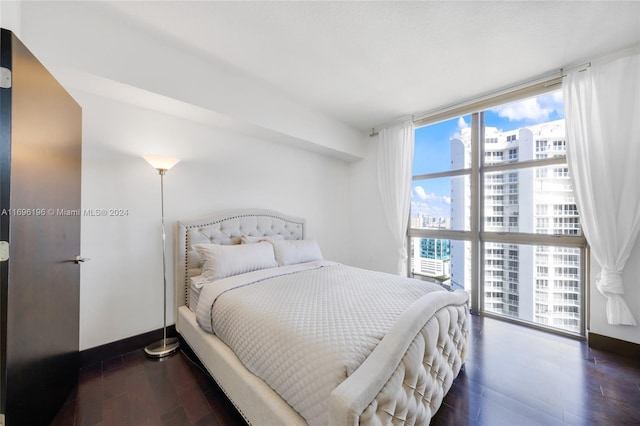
(79,259)
(4,251)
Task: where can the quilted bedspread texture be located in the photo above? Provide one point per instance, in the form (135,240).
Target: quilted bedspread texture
(304,330)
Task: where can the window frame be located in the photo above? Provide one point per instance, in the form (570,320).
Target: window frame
(477,236)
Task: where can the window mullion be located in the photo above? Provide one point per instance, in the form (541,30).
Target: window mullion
(533,239)
(444,234)
(555,161)
(477,135)
(523,258)
(448,173)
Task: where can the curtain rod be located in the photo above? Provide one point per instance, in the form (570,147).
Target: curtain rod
(546,80)
(579,68)
(541,80)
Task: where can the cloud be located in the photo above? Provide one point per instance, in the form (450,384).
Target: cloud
(419,191)
(423,195)
(536,109)
(554,102)
(461,126)
(430,196)
(529,109)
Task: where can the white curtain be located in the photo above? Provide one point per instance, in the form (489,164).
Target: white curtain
(395,159)
(602,112)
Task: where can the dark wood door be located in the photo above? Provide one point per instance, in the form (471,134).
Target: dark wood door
(40,165)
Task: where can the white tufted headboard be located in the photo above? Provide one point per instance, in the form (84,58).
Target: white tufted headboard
(225,227)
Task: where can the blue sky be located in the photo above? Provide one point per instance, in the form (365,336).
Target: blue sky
(432,146)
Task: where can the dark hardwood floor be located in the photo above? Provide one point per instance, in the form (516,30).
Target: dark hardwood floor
(513,376)
(134,390)
(519,376)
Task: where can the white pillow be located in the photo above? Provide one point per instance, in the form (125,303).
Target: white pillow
(248,239)
(289,252)
(221,261)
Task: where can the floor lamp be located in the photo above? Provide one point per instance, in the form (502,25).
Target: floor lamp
(165,346)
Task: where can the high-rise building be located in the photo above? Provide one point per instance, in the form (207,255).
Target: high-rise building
(431,257)
(540,284)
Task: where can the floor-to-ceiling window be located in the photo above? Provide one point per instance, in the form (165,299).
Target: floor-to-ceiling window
(492,212)
(440,215)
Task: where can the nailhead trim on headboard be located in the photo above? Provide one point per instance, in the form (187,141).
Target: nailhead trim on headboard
(227,227)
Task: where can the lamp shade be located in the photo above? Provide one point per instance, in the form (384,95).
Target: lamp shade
(160,162)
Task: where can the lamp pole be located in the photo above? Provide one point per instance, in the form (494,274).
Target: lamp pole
(166,346)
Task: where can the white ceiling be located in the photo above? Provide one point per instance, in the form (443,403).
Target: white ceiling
(368,62)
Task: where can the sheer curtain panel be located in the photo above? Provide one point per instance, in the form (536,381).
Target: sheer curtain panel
(395,158)
(602,111)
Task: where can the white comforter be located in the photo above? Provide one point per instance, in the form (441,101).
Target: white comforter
(305,328)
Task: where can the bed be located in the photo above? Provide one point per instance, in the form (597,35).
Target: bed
(364,376)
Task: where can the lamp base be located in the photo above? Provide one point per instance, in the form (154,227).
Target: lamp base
(162,348)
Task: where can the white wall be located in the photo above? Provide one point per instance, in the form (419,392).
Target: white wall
(121,287)
(10,16)
(242,144)
(372,245)
(95,39)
